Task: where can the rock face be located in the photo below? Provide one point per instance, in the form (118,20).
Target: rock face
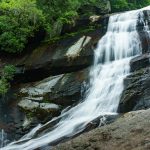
(131,131)
(11,119)
(140,62)
(66,55)
(142,28)
(47,98)
(41,109)
(68,90)
(136,94)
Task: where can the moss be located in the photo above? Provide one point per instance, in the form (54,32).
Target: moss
(30,115)
(68,35)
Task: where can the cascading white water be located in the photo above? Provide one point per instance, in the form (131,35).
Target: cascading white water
(3,139)
(111,66)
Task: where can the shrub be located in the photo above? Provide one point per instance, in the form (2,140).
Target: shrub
(7,75)
(18,21)
(122,5)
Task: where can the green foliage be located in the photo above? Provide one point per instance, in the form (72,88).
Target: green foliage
(8,72)
(68,17)
(134,4)
(122,5)
(7,75)
(119,5)
(19,20)
(58,12)
(4,86)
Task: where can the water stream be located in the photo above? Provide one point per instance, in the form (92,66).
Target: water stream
(111,65)
(3,138)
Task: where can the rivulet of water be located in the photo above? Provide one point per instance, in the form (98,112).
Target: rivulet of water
(3,139)
(111,65)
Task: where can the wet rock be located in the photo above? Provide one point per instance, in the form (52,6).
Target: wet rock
(28,105)
(63,89)
(131,131)
(49,107)
(35,91)
(140,62)
(145,41)
(10,117)
(36,107)
(136,94)
(142,27)
(68,90)
(45,99)
(64,56)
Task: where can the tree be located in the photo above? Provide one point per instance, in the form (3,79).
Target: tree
(18,21)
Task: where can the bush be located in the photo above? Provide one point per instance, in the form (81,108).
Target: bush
(59,12)
(123,5)
(7,75)
(18,21)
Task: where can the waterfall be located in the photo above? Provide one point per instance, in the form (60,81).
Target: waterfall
(111,65)
(3,139)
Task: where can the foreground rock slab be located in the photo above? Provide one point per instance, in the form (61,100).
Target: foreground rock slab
(129,132)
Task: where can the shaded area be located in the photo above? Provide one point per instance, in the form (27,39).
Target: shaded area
(11,118)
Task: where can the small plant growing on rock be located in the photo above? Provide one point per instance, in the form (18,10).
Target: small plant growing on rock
(7,75)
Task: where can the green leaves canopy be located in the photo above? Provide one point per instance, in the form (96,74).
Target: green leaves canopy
(122,5)
(18,21)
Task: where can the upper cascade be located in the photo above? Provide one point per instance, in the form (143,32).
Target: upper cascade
(111,65)
(121,39)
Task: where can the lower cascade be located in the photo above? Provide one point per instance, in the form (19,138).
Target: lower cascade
(111,65)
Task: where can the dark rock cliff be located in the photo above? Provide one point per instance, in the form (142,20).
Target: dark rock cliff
(63,68)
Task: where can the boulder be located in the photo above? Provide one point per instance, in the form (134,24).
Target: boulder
(63,89)
(32,98)
(28,105)
(140,62)
(136,94)
(40,109)
(36,90)
(68,90)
